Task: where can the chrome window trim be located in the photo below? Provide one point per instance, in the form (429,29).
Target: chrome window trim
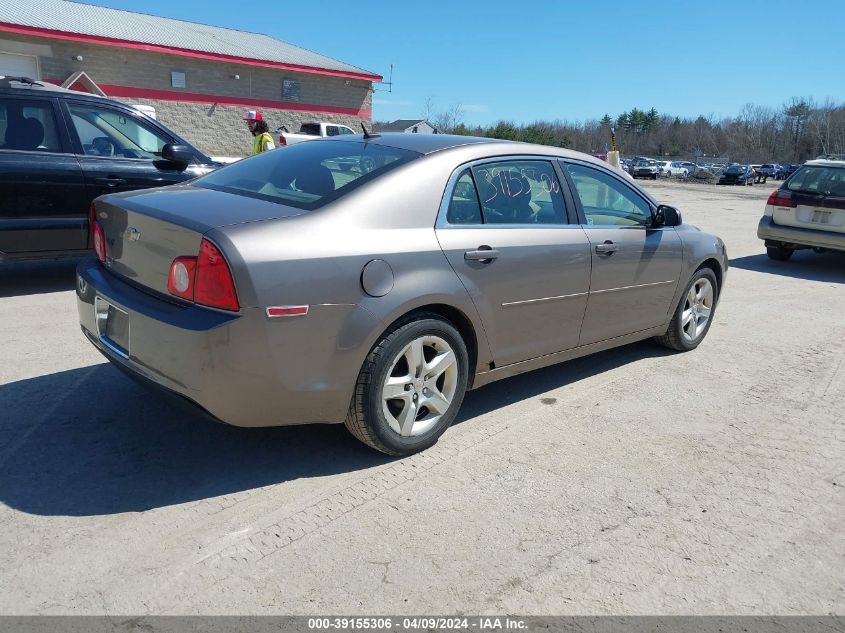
(443,223)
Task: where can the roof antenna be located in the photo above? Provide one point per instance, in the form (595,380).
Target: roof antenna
(369,135)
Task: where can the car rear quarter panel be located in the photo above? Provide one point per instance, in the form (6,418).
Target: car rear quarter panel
(317,259)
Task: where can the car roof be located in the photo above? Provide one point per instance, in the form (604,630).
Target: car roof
(16,87)
(827,162)
(482,146)
(420,143)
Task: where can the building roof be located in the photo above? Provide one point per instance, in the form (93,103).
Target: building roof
(400,125)
(101,25)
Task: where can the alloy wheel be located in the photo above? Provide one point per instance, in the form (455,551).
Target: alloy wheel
(698,307)
(420,386)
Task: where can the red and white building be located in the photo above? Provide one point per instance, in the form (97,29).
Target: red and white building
(200,79)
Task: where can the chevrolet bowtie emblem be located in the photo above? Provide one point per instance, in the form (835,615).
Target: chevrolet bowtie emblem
(133,234)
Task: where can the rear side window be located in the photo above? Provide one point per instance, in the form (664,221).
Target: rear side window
(818,179)
(464,206)
(307,175)
(28,125)
(520,192)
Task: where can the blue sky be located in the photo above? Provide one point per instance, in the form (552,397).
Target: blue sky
(558,59)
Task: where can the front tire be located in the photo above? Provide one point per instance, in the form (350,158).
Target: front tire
(411,386)
(694,314)
(779,253)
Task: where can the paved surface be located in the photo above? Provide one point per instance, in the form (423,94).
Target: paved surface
(633,482)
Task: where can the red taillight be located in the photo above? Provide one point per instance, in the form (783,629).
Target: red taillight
(97,234)
(180,281)
(781,199)
(282,141)
(206,279)
(214,285)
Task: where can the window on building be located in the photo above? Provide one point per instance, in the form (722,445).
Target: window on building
(28,125)
(177,79)
(290,89)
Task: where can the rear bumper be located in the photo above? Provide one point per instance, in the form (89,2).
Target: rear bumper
(777,235)
(240,368)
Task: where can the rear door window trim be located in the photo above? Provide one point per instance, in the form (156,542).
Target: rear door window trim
(442,222)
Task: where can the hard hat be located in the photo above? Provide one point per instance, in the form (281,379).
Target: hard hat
(253,115)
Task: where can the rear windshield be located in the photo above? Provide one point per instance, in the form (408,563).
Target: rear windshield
(828,181)
(307,175)
(736,169)
(310,128)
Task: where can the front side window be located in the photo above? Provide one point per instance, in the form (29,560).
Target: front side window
(106,132)
(520,192)
(28,125)
(307,175)
(607,201)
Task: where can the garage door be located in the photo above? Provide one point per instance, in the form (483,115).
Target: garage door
(14,65)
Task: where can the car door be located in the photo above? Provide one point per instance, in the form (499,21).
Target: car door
(635,267)
(505,228)
(119,151)
(43,206)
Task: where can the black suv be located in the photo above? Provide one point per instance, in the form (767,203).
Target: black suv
(60,149)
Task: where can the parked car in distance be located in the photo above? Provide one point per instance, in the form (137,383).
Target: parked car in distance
(60,149)
(737,175)
(788,170)
(303,293)
(806,211)
(675,168)
(645,168)
(312,131)
(769,169)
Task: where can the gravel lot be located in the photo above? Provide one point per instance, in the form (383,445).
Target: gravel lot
(636,481)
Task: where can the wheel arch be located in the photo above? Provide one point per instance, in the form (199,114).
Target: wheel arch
(716,267)
(457,317)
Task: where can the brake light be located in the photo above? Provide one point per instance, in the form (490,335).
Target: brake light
(98,235)
(206,279)
(781,198)
(214,284)
(282,141)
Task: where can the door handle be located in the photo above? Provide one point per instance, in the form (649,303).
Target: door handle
(608,248)
(110,181)
(483,254)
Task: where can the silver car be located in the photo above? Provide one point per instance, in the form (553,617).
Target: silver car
(374,280)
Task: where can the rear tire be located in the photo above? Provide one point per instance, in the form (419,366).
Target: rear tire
(779,253)
(411,386)
(694,313)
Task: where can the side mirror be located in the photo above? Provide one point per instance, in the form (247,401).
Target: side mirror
(667,216)
(179,154)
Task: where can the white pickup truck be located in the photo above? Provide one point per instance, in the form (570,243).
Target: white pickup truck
(312,131)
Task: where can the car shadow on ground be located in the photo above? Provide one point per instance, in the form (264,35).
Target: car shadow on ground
(92,442)
(827,266)
(29,278)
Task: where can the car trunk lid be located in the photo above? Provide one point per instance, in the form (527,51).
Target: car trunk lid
(145,231)
(813,211)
